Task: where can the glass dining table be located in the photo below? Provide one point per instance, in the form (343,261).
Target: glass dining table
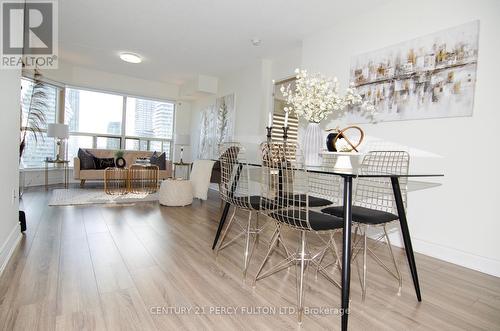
(349,176)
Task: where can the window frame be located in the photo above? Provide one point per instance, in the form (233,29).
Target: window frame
(60,118)
(123,136)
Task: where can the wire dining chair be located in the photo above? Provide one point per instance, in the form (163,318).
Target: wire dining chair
(235,190)
(374,206)
(286,189)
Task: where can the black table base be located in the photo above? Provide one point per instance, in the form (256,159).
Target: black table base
(346,250)
(405,231)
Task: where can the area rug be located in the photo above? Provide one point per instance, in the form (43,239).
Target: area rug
(72,197)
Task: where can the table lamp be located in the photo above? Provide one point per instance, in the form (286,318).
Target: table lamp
(59,131)
(182,140)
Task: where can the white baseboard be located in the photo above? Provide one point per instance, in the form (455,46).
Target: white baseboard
(9,246)
(472,261)
(465,259)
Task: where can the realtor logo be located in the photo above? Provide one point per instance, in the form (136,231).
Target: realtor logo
(29,34)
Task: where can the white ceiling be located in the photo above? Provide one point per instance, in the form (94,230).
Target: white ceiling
(182,38)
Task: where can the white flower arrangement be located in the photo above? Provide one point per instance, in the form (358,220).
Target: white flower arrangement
(316,97)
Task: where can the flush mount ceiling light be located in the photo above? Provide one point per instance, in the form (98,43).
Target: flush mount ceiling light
(256,41)
(130,57)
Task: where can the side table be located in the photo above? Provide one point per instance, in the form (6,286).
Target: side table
(183,164)
(65,165)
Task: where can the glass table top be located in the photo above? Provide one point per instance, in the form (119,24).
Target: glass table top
(355,171)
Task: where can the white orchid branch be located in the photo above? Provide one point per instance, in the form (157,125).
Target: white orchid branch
(315,97)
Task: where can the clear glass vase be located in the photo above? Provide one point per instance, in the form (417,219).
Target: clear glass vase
(313,144)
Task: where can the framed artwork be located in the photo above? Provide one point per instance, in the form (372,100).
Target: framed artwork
(216,127)
(207,132)
(428,77)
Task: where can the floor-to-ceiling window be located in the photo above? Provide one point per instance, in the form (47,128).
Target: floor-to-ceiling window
(38,146)
(149,125)
(94,120)
(113,121)
(99,119)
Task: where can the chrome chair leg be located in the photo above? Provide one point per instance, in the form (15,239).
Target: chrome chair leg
(301,259)
(396,274)
(301,274)
(366,249)
(335,251)
(282,241)
(399,278)
(278,267)
(274,239)
(228,226)
(320,260)
(257,226)
(248,253)
(332,246)
(363,287)
(356,242)
(251,236)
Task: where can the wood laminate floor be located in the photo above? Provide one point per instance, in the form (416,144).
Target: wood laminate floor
(145,267)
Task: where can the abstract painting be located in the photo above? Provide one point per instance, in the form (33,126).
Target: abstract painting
(428,77)
(207,132)
(216,127)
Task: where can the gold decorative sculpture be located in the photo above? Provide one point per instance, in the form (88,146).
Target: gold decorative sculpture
(337,134)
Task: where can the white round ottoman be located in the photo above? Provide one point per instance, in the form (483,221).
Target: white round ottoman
(176,192)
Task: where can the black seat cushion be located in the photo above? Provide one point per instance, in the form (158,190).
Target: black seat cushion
(318,221)
(363,215)
(300,200)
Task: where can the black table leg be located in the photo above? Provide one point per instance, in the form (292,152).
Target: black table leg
(346,250)
(221,223)
(406,234)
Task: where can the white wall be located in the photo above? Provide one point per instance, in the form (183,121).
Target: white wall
(249,105)
(458,221)
(252,86)
(10,83)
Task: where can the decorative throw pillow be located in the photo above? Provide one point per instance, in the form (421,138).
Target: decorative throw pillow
(159,160)
(103,163)
(86,159)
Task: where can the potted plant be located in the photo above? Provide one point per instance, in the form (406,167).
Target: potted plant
(119,160)
(31,122)
(314,98)
(34,120)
